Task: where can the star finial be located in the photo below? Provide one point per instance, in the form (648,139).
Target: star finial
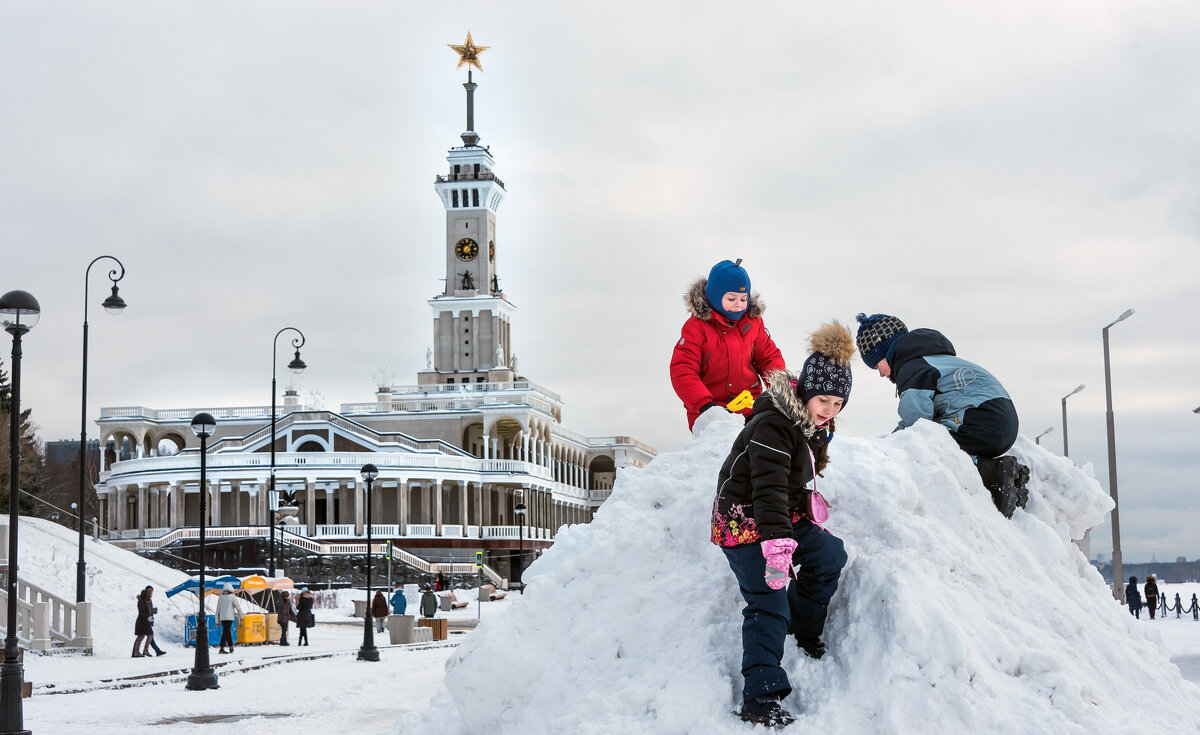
(468,53)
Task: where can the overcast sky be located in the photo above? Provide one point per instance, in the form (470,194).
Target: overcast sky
(1015,175)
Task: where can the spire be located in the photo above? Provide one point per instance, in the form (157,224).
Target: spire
(468,54)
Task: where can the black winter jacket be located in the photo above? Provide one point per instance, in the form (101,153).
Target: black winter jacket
(761,487)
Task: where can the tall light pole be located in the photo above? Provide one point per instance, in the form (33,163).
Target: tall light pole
(1038,439)
(1078,388)
(1118,571)
(519,510)
(114,305)
(368,651)
(19,312)
(202,676)
(296,366)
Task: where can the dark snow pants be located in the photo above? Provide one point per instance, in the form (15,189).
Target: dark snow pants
(769,614)
(989,429)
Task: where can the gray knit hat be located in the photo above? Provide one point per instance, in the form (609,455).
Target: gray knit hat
(876,335)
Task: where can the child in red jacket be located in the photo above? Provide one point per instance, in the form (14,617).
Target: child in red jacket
(724,347)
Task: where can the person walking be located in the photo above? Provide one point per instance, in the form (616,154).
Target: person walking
(286,614)
(399,602)
(304,616)
(1133,598)
(148,594)
(229,609)
(1151,594)
(379,610)
(143,627)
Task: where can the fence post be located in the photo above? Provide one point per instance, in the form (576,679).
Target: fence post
(41,627)
(83,626)
(1178,606)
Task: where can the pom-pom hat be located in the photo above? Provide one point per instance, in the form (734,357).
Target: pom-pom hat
(826,372)
(876,336)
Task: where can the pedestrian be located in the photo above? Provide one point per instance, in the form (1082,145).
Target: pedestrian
(934,383)
(286,614)
(1133,598)
(304,616)
(379,610)
(143,627)
(724,347)
(429,603)
(766,520)
(399,601)
(229,609)
(439,583)
(1151,594)
(149,594)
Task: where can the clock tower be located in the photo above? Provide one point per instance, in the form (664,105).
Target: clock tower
(471,317)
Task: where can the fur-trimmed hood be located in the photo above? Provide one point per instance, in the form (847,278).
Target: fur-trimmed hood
(697,302)
(781,395)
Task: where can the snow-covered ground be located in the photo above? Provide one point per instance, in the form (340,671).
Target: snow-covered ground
(949,619)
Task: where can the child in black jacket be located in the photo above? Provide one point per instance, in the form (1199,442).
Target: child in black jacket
(765,519)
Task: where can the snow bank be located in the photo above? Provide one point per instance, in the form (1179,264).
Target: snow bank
(949,618)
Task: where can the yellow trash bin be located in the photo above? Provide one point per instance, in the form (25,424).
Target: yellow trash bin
(274,631)
(252,628)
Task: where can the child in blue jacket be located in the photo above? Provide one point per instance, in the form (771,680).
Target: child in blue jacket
(934,383)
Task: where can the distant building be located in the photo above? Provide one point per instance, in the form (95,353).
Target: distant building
(457,452)
(66,451)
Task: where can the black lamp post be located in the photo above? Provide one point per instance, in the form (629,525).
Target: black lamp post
(202,676)
(1118,572)
(296,366)
(114,305)
(368,652)
(19,312)
(519,509)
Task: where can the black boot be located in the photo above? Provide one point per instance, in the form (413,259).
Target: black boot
(813,647)
(766,711)
(1006,479)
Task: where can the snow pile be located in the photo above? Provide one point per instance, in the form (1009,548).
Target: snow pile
(949,618)
(49,556)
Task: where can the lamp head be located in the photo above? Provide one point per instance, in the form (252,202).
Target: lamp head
(114,304)
(203,425)
(1080,387)
(1196,409)
(297,365)
(369,472)
(19,312)
(519,509)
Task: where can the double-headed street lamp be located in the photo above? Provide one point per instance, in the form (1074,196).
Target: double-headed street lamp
(114,305)
(296,366)
(368,652)
(1038,439)
(1118,571)
(519,510)
(202,675)
(1078,388)
(19,312)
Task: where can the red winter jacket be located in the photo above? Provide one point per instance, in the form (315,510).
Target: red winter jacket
(715,360)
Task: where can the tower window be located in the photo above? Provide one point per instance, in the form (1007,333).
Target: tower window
(454,198)
(457,168)
(474,197)
(465,199)
(477,170)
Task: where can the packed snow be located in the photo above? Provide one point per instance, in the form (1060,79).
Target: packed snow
(949,618)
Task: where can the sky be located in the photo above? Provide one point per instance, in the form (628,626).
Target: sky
(1014,176)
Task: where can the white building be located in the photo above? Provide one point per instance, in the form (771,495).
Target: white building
(456,452)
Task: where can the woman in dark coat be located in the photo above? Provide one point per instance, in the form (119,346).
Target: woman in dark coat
(304,616)
(379,610)
(1133,598)
(143,628)
(286,614)
(1151,595)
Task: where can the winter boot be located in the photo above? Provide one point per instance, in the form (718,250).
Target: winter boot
(1006,479)
(766,711)
(813,647)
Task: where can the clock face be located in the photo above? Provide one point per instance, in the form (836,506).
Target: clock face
(466,249)
(491,250)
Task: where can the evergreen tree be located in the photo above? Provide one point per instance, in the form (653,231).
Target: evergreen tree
(32,458)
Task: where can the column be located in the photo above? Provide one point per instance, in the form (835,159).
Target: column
(462,505)
(358,496)
(486,444)
(485,518)
(178,498)
(143,500)
(402,506)
(310,506)
(437,507)
(479,521)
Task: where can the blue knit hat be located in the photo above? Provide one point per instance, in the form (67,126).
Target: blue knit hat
(724,277)
(876,336)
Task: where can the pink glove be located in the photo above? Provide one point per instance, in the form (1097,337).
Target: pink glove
(778,552)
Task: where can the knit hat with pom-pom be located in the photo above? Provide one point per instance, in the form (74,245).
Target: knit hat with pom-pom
(876,335)
(826,372)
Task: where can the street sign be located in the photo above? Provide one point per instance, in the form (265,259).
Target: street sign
(479,560)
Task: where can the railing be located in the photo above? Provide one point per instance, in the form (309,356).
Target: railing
(186,414)
(422,529)
(43,617)
(449,531)
(335,529)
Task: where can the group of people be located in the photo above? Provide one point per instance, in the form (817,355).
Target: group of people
(1134,599)
(767,513)
(229,609)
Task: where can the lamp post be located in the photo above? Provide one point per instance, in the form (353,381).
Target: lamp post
(19,312)
(1078,388)
(114,305)
(1038,439)
(519,509)
(368,652)
(296,366)
(1118,571)
(202,675)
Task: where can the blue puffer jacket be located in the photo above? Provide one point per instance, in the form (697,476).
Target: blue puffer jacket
(934,384)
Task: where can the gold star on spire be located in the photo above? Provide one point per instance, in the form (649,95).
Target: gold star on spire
(468,53)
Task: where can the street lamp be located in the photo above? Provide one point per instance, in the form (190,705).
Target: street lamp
(296,366)
(368,652)
(19,312)
(519,509)
(202,675)
(1196,409)
(1118,571)
(1078,388)
(1038,439)
(114,305)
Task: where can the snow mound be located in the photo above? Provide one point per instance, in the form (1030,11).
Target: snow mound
(948,618)
(49,556)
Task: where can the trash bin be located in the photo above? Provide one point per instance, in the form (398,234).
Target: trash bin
(400,628)
(252,628)
(189,630)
